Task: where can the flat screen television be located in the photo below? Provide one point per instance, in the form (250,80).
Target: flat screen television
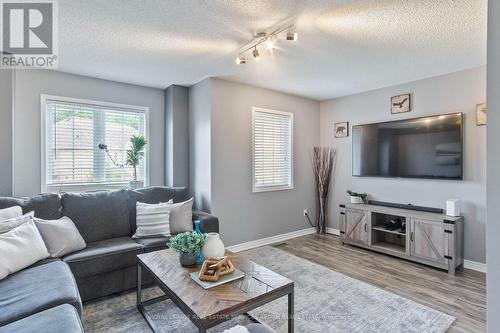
(427,147)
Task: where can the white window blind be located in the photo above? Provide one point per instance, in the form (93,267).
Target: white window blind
(272,150)
(73,132)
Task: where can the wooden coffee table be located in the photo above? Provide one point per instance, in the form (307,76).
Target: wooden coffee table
(210,307)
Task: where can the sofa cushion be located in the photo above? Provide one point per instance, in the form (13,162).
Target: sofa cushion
(36,289)
(60,319)
(46,206)
(98,215)
(153,243)
(104,256)
(154,195)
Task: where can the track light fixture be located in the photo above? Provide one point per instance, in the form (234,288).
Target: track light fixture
(240,60)
(263,37)
(291,36)
(255,53)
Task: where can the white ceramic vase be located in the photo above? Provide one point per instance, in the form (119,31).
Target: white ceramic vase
(213,247)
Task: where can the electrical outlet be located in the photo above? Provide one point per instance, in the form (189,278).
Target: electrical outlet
(305,212)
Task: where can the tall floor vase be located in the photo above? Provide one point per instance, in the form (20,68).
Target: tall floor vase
(323,161)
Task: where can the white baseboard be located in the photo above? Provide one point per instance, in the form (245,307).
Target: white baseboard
(333,231)
(270,240)
(474,265)
(277,238)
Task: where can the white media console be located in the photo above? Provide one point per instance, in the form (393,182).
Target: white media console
(429,238)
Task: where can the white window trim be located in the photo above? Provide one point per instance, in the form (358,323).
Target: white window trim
(88,186)
(255,109)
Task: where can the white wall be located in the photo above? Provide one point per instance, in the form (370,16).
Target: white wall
(493,167)
(30,84)
(456,92)
(6,132)
(245,215)
(200,110)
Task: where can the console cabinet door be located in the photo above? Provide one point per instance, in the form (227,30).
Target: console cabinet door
(428,240)
(356,226)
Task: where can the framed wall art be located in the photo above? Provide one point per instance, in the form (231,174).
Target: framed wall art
(341,130)
(400,103)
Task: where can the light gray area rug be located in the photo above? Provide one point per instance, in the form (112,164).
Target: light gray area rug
(325,301)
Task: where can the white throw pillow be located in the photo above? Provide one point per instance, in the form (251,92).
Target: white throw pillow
(21,247)
(8,225)
(60,236)
(181,217)
(11,212)
(152,220)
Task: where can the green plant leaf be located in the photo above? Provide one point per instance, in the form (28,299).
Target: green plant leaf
(187,242)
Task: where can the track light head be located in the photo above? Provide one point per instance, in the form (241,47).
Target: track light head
(240,60)
(255,53)
(291,36)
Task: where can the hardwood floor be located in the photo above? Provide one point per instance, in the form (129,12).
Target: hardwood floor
(462,295)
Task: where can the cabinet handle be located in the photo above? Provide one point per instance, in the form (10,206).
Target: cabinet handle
(411,236)
(366,227)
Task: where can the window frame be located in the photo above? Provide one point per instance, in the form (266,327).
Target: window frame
(44,99)
(256,189)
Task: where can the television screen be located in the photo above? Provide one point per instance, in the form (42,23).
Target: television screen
(428,147)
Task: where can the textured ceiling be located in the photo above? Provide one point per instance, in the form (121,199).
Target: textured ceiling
(344,46)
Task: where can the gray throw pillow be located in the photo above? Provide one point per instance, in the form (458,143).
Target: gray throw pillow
(181,217)
(60,236)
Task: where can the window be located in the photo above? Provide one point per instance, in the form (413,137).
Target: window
(72,131)
(272,150)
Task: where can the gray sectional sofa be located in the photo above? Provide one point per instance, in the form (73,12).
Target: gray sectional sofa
(31,299)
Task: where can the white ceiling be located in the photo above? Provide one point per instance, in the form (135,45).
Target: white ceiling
(344,46)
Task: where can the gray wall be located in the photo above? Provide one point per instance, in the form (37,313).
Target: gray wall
(200,110)
(245,215)
(30,84)
(493,167)
(456,92)
(177,136)
(6,132)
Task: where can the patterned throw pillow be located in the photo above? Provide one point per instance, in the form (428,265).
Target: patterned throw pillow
(153,220)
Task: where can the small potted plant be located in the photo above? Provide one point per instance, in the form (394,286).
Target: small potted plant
(188,245)
(134,156)
(357,198)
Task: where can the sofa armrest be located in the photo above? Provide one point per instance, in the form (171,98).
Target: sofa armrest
(208,223)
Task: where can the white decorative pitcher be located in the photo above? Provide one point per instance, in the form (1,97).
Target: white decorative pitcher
(213,247)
